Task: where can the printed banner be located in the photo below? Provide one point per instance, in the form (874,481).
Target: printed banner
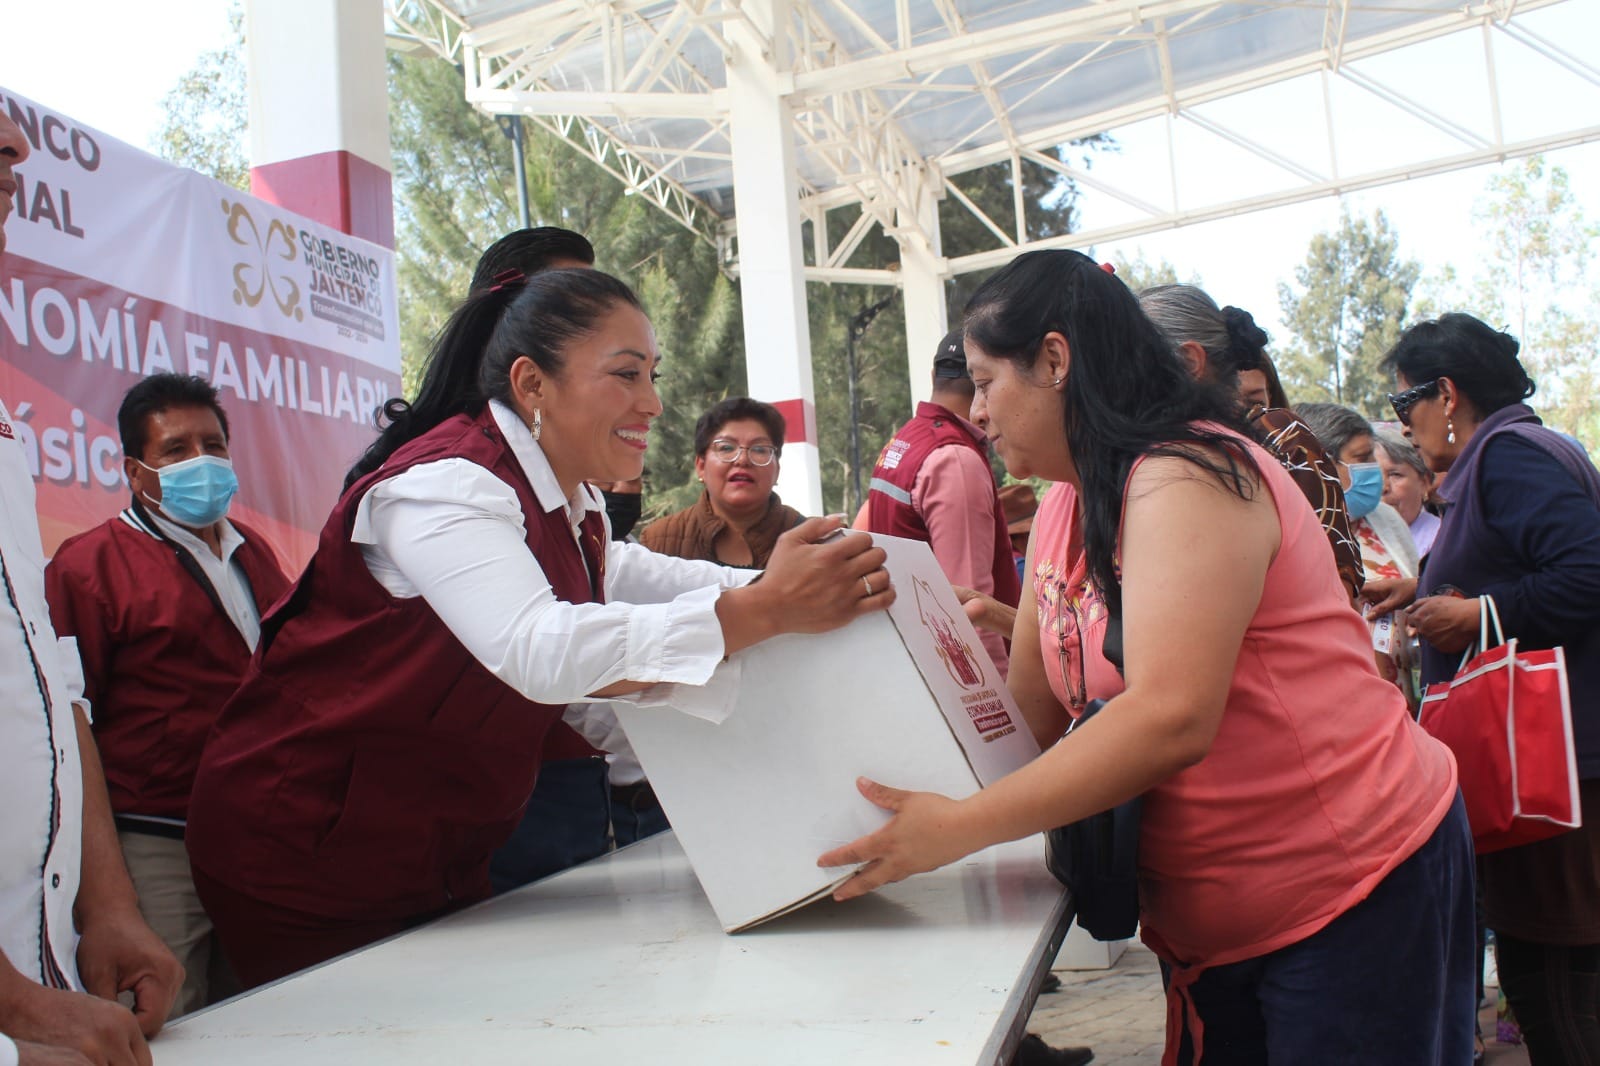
(119,265)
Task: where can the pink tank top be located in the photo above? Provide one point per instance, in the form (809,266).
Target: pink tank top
(1318,782)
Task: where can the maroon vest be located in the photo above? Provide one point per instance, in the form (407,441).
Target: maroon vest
(160,655)
(368,765)
(889,508)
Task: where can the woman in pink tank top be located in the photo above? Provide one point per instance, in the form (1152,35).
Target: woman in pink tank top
(1305,867)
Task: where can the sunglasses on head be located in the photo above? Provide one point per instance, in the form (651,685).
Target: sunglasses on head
(1403,402)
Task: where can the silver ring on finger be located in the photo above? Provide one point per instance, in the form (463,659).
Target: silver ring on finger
(867,581)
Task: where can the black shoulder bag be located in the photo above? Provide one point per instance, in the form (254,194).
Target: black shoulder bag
(1097,857)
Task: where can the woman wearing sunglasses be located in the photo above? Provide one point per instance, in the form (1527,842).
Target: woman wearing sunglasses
(1521,524)
(1305,870)
(738,518)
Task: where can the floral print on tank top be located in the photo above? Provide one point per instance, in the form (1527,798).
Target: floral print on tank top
(1069,606)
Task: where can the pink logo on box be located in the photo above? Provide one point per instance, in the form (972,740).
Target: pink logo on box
(988,713)
(958,656)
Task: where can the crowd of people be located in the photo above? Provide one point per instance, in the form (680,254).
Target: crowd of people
(202,795)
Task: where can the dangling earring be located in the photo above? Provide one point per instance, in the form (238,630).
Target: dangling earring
(536,427)
(1450,427)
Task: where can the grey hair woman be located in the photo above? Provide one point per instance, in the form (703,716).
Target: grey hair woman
(1219,344)
(1407,483)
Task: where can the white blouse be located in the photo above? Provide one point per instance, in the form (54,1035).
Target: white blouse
(1423,529)
(453,533)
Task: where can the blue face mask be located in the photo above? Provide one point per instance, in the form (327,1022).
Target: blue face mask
(1366,489)
(196,492)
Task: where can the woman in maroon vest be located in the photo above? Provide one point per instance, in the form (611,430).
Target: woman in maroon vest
(464,591)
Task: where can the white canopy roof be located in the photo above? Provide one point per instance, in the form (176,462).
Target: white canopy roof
(877,86)
(746,120)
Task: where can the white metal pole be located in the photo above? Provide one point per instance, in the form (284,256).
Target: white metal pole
(777,337)
(319,112)
(922,276)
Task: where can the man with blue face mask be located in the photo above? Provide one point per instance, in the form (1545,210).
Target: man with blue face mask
(165,601)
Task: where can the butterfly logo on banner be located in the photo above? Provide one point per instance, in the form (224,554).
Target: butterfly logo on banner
(253,281)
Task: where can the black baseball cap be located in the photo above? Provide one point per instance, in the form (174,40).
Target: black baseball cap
(950,362)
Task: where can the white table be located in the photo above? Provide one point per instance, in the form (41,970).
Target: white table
(621,961)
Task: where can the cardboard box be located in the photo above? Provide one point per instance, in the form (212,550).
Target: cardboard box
(908,697)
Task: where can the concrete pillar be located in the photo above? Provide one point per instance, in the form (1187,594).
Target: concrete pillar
(922,277)
(319,112)
(777,336)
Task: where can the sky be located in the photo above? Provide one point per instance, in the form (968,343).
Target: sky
(124,59)
(1241,260)
(114,75)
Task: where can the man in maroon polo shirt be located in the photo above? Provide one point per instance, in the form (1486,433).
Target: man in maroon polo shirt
(165,601)
(932,482)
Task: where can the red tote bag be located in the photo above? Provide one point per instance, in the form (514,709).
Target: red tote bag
(1508,718)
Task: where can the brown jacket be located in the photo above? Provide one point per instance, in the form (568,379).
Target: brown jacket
(692,532)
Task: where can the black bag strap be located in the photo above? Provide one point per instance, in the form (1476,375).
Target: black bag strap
(1112,648)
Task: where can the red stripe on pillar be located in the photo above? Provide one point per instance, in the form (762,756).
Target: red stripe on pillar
(337,189)
(799,420)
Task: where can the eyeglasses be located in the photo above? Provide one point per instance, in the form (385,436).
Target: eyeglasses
(728,451)
(1403,402)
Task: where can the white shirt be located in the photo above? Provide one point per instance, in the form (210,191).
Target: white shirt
(1423,529)
(452,532)
(227,577)
(1396,536)
(41,777)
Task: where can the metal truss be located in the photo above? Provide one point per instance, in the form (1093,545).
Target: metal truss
(501,80)
(421,26)
(639,87)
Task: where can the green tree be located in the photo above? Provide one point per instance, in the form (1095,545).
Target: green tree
(451,204)
(206,113)
(883,389)
(1139,274)
(1539,243)
(1050,210)
(455,193)
(1348,307)
(1535,281)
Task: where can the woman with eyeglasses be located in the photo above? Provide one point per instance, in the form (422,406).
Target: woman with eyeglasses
(1305,870)
(738,518)
(464,595)
(1521,524)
